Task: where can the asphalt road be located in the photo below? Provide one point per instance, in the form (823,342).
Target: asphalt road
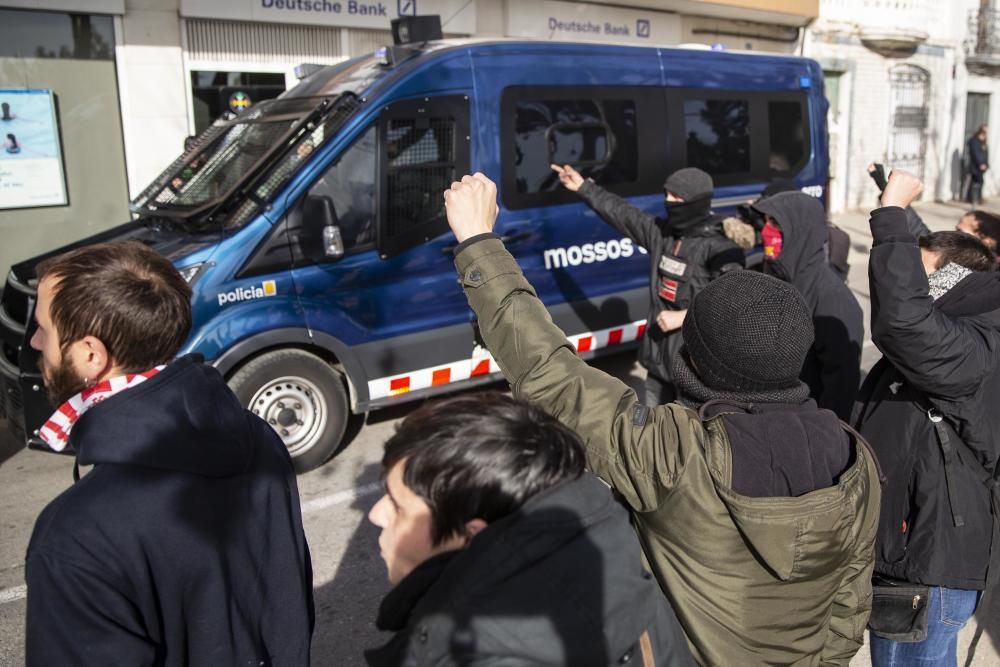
(349,576)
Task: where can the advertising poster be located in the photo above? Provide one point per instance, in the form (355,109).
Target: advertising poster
(31,166)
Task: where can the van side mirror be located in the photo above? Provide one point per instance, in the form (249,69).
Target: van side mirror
(320,218)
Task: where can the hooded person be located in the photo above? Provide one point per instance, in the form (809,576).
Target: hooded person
(795,236)
(756,510)
(687,250)
(183,544)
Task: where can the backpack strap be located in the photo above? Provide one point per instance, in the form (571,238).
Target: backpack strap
(948,453)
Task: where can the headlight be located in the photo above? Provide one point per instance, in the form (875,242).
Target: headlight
(192,272)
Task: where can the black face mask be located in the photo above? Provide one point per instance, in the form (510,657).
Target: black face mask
(683,216)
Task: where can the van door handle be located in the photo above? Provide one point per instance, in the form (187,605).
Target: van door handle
(509,238)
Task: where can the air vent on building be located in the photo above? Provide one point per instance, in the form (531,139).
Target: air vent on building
(223,41)
(366,41)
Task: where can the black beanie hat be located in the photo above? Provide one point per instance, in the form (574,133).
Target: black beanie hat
(748,332)
(689,183)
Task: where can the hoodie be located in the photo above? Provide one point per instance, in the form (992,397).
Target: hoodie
(832,369)
(184,543)
(769,571)
(558,582)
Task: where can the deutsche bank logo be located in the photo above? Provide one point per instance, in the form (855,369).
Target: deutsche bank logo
(406,7)
(642,28)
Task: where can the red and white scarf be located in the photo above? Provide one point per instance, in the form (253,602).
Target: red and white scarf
(55,432)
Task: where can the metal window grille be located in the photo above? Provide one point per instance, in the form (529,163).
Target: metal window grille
(910,90)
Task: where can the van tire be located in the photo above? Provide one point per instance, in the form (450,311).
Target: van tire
(302,397)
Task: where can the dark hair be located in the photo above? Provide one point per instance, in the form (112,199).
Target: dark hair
(962,249)
(481,457)
(987,227)
(125,294)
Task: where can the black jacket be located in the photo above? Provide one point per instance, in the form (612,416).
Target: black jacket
(182,546)
(699,250)
(559,582)
(833,366)
(943,354)
(978,156)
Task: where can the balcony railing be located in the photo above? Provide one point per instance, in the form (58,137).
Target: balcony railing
(982,46)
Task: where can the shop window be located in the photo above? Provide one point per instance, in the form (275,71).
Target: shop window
(787,136)
(27,34)
(598,137)
(350,185)
(717,135)
(216,93)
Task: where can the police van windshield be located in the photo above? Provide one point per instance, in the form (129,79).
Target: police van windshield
(238,164)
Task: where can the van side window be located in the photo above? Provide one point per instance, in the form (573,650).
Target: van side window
(717,135)
(420,160)
(599,138)
(423,147)
(787,136)
(350,185)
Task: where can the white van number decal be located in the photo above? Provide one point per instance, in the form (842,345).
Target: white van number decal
(813,190)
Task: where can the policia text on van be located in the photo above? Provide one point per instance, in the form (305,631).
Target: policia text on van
(312,231)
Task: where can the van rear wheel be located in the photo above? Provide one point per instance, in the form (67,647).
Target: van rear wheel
(302,397)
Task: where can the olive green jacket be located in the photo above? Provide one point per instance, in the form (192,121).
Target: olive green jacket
(754,581)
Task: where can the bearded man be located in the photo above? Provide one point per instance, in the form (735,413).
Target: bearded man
(184,543)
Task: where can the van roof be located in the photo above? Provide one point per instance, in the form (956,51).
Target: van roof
(359,74)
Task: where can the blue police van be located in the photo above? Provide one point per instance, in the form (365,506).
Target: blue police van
(311,227)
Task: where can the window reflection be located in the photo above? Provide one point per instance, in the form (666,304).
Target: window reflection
(718,135)
(26,34)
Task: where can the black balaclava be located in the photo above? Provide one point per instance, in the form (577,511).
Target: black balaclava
(695,187)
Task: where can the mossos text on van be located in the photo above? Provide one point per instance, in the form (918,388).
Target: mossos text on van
(588,253)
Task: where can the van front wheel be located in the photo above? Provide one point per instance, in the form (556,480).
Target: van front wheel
(302,397)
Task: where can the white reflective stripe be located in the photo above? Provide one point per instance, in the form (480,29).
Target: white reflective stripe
(459,371)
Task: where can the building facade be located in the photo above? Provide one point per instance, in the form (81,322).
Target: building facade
(129,80)
(905,90)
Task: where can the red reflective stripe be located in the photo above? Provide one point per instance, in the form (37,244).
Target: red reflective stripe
(615,336)
(400,384)
(642,330)
(583,344)
(441,376)
(482,368)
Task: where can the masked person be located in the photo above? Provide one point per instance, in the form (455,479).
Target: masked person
(183,545)
(687,250)
(756,510)
(794,237)
(928,407)
(504,550)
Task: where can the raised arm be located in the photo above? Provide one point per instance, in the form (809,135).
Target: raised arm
(638,451)
(633,222)
(941,355)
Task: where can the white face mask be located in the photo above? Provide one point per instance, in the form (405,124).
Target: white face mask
(945,278)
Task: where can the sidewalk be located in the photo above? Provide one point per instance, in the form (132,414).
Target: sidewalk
(937,216)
